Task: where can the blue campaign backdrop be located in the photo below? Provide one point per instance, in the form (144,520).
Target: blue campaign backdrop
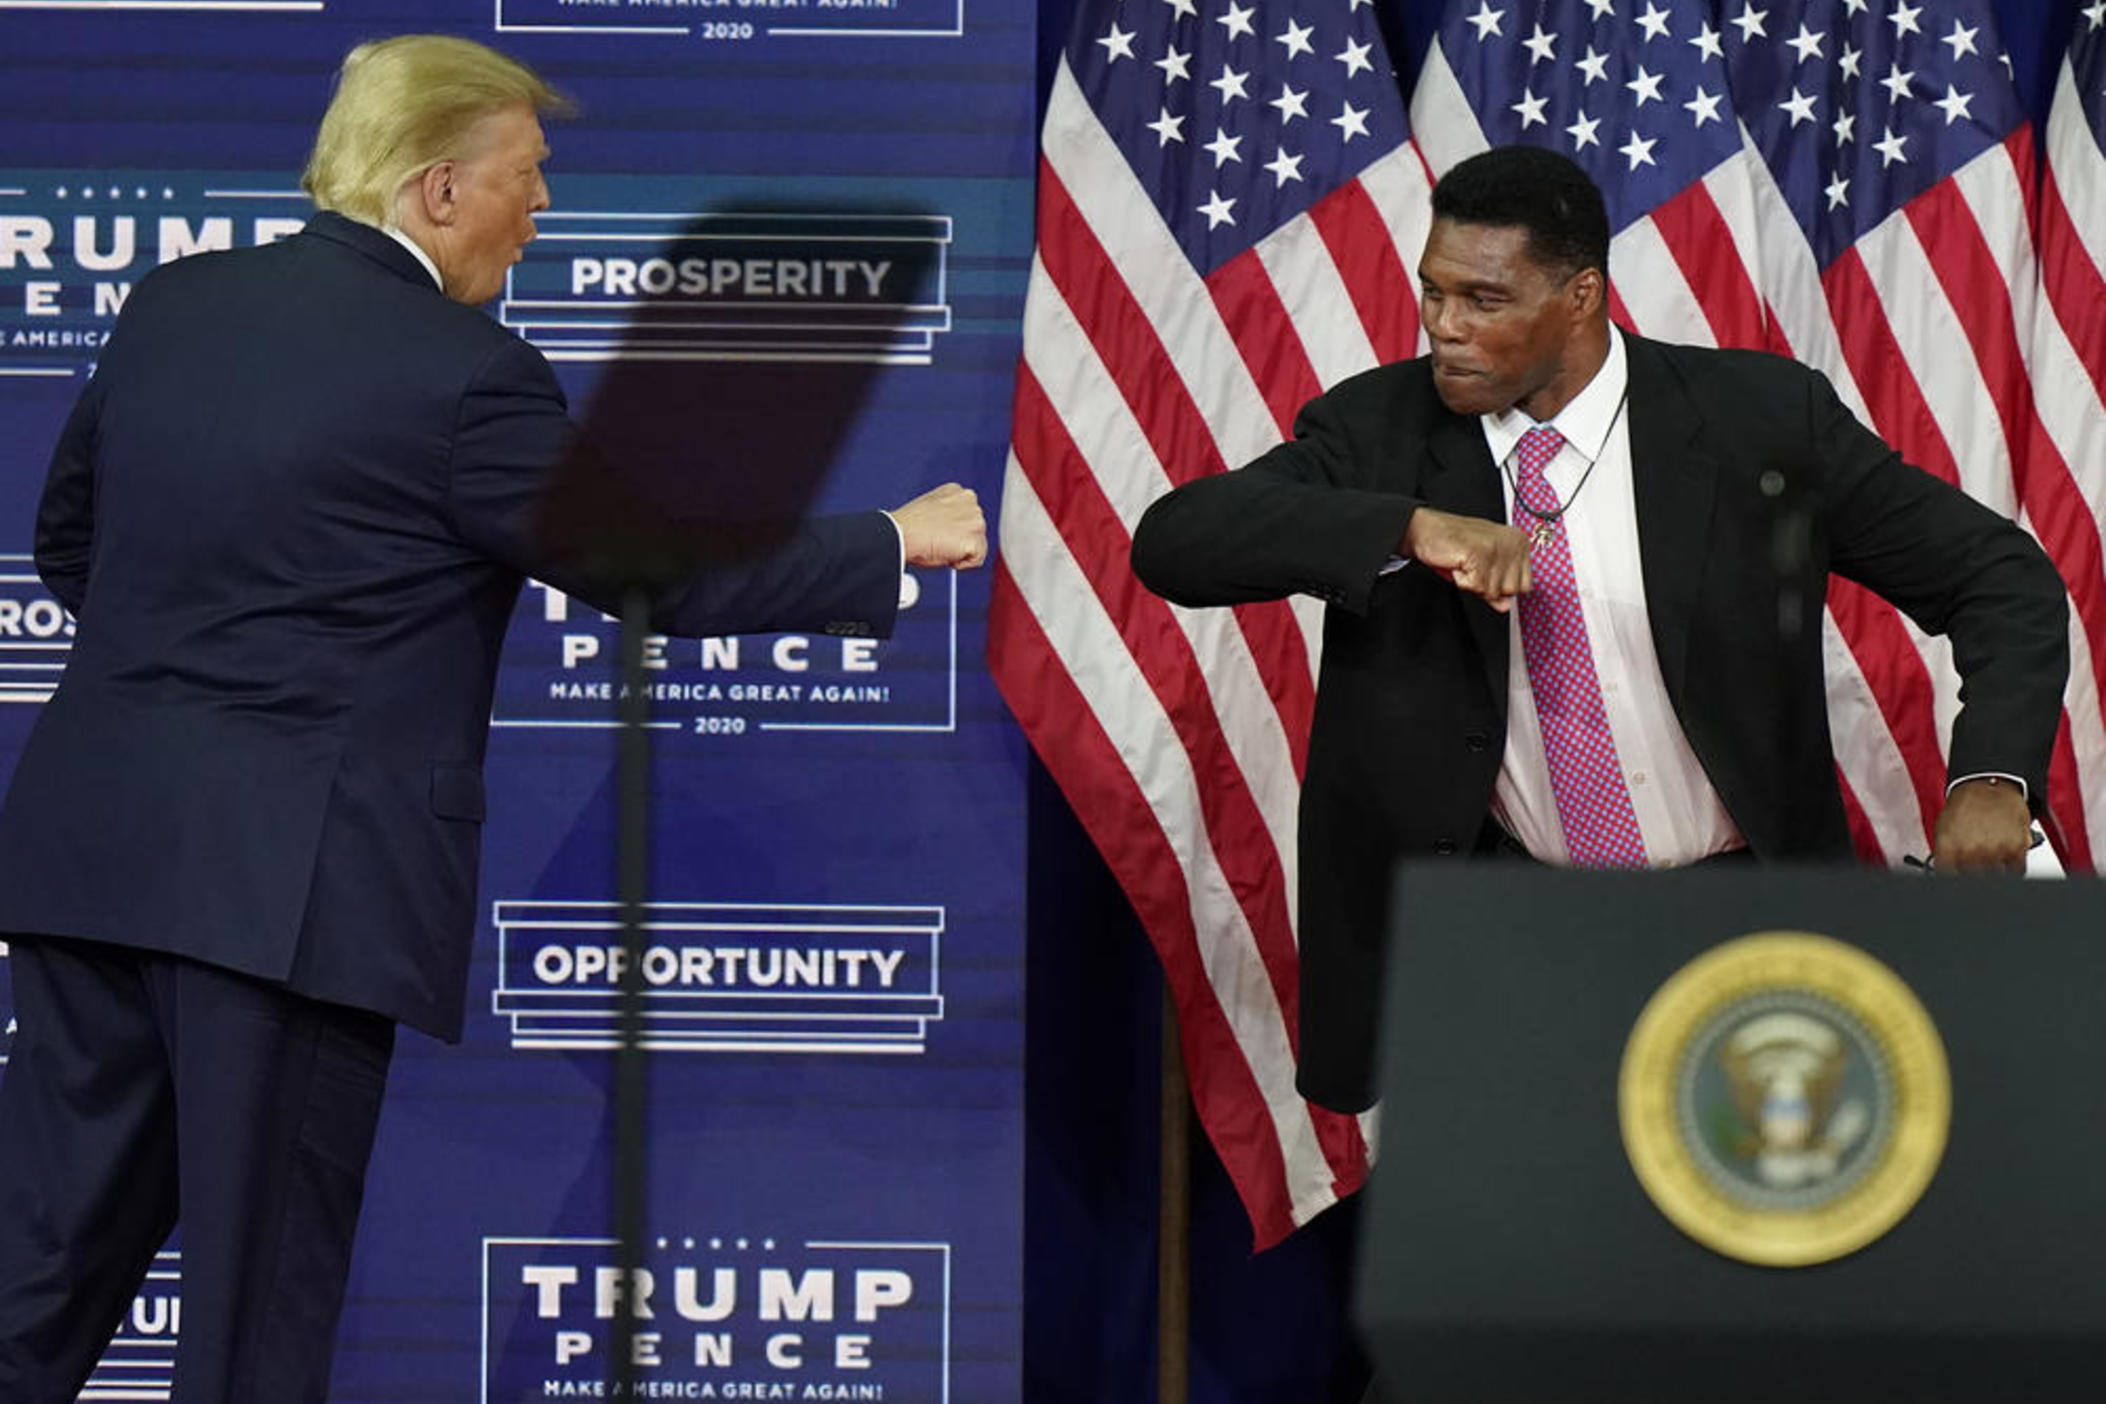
(863,821)
(778,264)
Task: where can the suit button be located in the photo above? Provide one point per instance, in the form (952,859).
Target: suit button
(1477,741)
(1444,847)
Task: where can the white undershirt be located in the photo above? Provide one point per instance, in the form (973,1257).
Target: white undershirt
(414,247)
(1680,816)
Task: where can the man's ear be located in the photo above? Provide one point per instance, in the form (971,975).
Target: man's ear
(1587,291)
(435,192)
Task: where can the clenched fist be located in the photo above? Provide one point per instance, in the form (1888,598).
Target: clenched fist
(944,527)
(1484,558)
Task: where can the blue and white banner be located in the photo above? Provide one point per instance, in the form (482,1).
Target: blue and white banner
(750,193)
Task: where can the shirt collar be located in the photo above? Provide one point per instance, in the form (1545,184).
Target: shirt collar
(1586,419)
(422,257)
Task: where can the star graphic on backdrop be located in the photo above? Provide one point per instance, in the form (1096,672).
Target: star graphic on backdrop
(1582,132)
(1175,65)
(1167,129)
(1904,20)
(1354,57)
(1807,44)
(1118,44)
(1653,22)
(1237,20)
(1290,104)
(1541,47)
(1707,43)
(1486,19)
(1531,109)
(1217,210)
(1897,82)
(1639,150)
(1284,168)
(1704,107)
(1889,148)
(1595,66)
(1752,22)
(1646,86)
(1223,148)
(1954,105)
(1838,192)
(1296,38)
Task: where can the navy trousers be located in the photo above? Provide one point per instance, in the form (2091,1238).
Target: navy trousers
(143,1090)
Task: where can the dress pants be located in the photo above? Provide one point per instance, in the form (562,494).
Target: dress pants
(145,1089)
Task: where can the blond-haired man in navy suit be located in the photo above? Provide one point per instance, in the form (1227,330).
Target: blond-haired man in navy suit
(292,512)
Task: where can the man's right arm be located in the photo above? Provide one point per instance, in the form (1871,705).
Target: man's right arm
(1291,522)
(1295,522)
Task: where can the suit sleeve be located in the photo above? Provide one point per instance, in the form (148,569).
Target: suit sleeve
(65,527)
(1958,569)
(515,442)
(1292,522)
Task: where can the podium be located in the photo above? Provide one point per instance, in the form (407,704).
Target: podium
(1510,1251)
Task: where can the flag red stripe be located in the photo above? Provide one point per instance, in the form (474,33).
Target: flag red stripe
(1863,837)
(1087,767)
(1974,284)
(1234,826)
(2072,281)
(1265,335)
(1094,291)
(1699,240)
(2073,842)
(1884,377)
(1382,291)
(1148,381)
(1886,655)
(1900,684)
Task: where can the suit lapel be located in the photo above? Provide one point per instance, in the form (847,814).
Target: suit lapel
(1462,478)
(1672,479)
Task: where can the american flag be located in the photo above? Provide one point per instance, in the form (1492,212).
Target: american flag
(1848,182)
(1228,216)
(1229,211)
(2069,332)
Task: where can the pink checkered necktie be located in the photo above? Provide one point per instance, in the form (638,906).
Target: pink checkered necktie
(1594,804)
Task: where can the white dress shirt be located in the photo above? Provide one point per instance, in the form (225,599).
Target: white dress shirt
(1680,816)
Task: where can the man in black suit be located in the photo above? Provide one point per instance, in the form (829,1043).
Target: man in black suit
(292,513)
(1642,705)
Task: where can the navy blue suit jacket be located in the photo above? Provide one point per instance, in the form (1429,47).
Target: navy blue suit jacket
(292,513)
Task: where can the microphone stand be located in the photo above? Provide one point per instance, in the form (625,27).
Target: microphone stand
(632,863)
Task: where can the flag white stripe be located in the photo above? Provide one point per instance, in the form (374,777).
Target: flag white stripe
(2080,167)
(1085,398)
(1057,594)
(1169,291)
(1309,285)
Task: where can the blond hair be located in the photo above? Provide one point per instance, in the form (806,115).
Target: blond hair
(403,105)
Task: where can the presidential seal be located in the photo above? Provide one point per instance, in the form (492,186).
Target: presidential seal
(1784,1099)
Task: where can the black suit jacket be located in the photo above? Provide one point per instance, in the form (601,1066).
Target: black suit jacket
(292,512)
(1410,719)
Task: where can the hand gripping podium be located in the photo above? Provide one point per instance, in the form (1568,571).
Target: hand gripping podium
(1745,1134)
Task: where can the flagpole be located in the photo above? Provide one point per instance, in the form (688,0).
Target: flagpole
(1173,1244)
